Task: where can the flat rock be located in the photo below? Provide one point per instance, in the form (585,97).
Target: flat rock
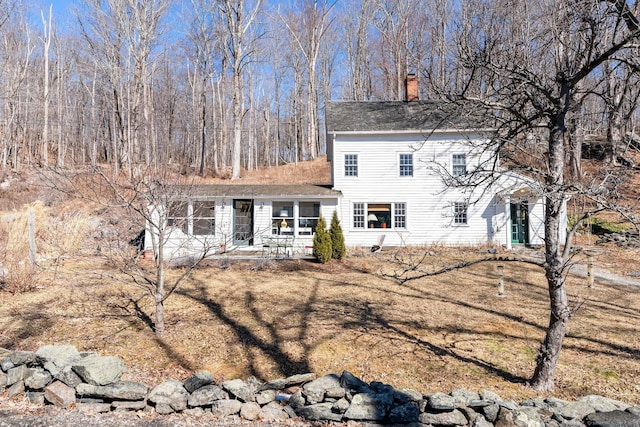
(442,402)
(240,389)
(319,412)
(121,390)
(226,407)
(451,418)
(616,418)
(99,370)
(93,408)
(129,405)
(197,380)
(60,394)
(299,379)
(206,395)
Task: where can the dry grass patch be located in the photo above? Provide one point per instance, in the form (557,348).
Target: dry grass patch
(441,333)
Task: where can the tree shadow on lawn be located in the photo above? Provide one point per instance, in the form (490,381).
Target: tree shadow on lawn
(249,335)
(615,349)
(344,315)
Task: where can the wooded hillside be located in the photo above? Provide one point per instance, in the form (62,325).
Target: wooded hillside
(217,86)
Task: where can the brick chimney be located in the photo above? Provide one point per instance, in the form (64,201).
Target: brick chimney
(412,87)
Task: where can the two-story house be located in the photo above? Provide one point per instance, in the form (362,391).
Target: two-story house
(395,172)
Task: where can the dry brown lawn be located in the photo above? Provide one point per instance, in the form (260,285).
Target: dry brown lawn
(433,334)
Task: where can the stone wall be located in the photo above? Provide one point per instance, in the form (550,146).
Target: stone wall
(65,377)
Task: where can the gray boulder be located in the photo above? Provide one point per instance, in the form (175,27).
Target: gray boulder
(250,411)
(352,383)
(35,397)
(17,358)
(68,376)
(170,393)
(404,414)
(38,379)
(406,395)
(266,396)
(16,389)
(206,395)
(197,380)
(273,412)
(3,379)
(587,405)
(442,402)
(99,370)
(60,394)
(55,357)
(315,390)
(129,405)
(319,412)
(121,390)
(226,407)
(369,407)
(240,389)
(616,418)
(18,373)
(451,418)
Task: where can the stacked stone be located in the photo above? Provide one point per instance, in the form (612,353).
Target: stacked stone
(62,376)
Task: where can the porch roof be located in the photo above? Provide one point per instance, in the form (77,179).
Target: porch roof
(251,191)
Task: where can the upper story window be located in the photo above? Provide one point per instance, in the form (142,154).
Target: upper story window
(459,165)
(350,165)
(204,219)
(406,164)
(460,213)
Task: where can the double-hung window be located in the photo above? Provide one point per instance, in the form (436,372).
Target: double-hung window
(406,164)
(460,213)
(459,165)
(350,165)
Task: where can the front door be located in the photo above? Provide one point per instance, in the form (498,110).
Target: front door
(243,222)
(520,223)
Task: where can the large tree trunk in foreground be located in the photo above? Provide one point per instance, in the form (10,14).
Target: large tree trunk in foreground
(549,352)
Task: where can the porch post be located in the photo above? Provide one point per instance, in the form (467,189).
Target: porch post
(507,216)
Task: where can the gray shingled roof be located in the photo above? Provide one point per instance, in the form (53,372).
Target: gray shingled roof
(257,191)
(386,116)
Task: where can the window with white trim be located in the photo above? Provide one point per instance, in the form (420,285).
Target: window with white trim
(358,215)
(459,165)
(460,213)
(308,214)
(406,164)
(379,215)
(282,218)
(204,219)
(178,215)
(399,215)
(350,165)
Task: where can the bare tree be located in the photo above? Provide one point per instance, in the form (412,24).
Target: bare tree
(239,16)
(533,82)
(148,201)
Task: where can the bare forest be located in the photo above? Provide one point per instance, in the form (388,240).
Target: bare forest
(223,86)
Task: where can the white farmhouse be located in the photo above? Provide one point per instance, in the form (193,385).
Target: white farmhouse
(396,170)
